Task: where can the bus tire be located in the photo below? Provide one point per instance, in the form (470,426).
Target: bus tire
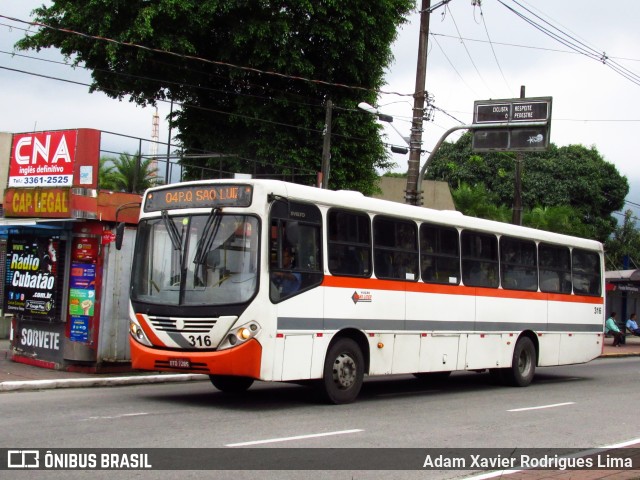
(523,364)
(343,372)
(231,384)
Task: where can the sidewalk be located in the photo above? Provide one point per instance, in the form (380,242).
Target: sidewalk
(18,376)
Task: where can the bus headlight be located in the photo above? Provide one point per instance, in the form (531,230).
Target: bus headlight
(240,335)
(136,332)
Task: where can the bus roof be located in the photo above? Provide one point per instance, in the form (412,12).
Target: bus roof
(353,200)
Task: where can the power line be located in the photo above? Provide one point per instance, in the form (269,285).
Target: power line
(493,49)
(452,65)
(571,42)
(169,82)
(207,109)
(204,60)
(519,45)
(466,49)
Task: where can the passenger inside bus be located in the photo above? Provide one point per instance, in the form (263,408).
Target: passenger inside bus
(288,282)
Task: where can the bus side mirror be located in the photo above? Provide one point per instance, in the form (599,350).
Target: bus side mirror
(119,235)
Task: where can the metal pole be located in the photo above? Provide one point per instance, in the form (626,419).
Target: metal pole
(326,146)
(412,196)
(166,173)
(516,214)
(136,170)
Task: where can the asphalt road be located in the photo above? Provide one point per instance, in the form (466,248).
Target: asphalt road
(564,407)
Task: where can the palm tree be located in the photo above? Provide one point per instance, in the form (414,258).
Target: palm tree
(128,173)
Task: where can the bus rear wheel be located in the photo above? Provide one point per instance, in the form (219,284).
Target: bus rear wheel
(231,384)
(523,364)
(343,372)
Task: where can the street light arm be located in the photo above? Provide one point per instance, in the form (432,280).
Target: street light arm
(423,170)
(437,146)
(383,118)
(406,139)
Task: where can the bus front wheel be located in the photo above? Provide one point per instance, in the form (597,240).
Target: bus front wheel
(231,384)
(343,372)
(523,364)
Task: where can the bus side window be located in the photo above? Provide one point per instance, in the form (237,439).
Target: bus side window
(518,264)
(349,243)
(439,254)
(479,259)
(585,272)
(395,245)
(555,268)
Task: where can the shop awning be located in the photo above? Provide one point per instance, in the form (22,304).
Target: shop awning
(50,223)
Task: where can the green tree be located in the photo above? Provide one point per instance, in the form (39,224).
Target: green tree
(624,242)
(476,201)
(127,173)
(573,176)
(243,114)
(106,174)
(559,219)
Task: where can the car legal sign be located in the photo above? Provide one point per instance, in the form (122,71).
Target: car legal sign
(43,159)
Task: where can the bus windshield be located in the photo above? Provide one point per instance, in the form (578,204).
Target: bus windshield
(208,259)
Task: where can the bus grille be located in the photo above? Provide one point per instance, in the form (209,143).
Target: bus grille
(179,325)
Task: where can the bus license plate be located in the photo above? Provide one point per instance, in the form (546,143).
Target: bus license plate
(179,363)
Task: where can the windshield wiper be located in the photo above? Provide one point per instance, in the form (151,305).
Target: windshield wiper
(174,235)
(208,235)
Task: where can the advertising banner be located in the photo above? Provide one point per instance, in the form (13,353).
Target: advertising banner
(31,282)
(82,294)
(37,202)
(43,159)
(40,340)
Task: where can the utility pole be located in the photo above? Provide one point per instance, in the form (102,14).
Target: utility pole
(412,195)
(326,145)
(516,214)
(167,181)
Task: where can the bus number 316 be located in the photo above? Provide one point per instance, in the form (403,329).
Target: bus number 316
(199,341)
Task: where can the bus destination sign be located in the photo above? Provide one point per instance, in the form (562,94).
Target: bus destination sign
(199,196)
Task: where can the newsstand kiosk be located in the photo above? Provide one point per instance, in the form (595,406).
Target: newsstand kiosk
(65,286)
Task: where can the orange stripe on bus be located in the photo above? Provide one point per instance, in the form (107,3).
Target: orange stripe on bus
(418,287)
(146,328)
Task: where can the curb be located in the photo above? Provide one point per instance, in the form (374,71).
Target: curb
(97,382)
(26,385)
(619,355)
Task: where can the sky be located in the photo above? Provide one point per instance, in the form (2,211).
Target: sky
(474,53)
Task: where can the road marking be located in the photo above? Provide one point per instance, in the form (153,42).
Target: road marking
(117,416)
(541,407)
(287,439)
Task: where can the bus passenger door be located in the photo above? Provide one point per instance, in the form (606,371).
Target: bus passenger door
(295,272)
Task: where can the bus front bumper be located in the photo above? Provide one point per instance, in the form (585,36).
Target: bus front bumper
(243,360)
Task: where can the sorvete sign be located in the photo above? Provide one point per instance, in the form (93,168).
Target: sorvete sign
(43,159)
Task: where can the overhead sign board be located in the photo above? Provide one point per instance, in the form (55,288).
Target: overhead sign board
(518,110)
(509,124)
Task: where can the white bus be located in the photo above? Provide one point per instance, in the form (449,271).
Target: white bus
(265,280)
